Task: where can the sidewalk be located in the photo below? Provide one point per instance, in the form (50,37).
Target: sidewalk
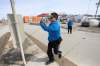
(81,47)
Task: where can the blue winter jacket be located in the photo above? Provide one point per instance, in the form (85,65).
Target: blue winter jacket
(70,22)
(53,30)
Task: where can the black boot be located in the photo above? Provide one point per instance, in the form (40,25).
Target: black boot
(59,54)
(49,62)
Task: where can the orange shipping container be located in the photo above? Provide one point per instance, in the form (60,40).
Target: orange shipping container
(36,19)
(26,19)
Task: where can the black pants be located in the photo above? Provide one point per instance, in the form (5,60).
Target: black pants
(70,29)
(53,47)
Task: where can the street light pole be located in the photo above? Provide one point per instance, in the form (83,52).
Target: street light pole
(18,42)
(97,8)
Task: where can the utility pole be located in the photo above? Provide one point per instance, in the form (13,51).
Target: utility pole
(97,8)
(15,31)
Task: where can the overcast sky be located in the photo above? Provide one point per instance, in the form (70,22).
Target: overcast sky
(35,7)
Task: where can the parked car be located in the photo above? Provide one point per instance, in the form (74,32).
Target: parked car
(85,24)
(93,22)
(89,21)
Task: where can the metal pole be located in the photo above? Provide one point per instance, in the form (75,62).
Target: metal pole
(14,13)
(97,8)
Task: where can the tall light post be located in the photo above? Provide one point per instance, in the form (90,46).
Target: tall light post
(15,31)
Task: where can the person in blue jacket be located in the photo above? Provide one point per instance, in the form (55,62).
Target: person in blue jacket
(54,37)
(70,25)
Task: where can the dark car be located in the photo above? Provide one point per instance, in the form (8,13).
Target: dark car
(85,24)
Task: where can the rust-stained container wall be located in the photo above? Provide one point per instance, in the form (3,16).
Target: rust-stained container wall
(36,19)
(26,19)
